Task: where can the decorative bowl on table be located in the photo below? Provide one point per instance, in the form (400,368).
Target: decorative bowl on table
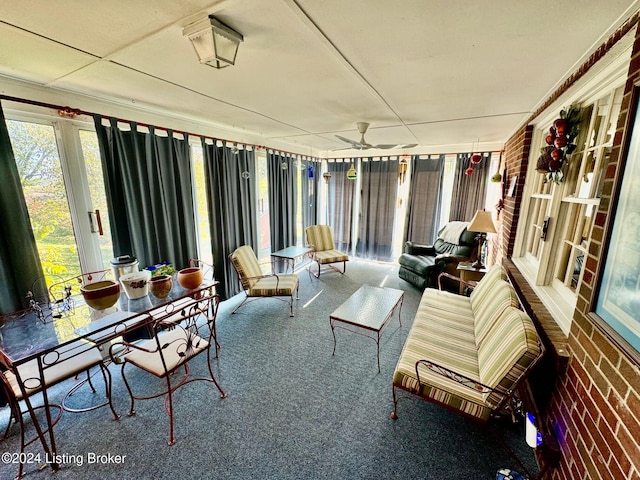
(160,285)
(190,278)
(101,295)
(136,284)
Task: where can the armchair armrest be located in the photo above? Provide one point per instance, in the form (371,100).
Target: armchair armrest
(268,275)
(455,376)
(413,248)
(453,277)
(449,258)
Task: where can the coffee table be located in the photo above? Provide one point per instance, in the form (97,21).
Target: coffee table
(367,311)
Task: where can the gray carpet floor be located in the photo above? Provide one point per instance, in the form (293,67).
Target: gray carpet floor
(293,411)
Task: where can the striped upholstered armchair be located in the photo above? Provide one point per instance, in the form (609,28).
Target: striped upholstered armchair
(256,284)
(320,240)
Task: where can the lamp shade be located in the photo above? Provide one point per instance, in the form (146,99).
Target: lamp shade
(482,222)
(215,43)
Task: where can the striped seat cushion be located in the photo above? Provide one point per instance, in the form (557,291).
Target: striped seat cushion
(274,285)
(330,256)
(320,237)
(508,349)
(488,308)
(444,336)
(246,264)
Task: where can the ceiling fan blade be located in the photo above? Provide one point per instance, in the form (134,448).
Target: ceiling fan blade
(407,145)
(353,143)
(385,146)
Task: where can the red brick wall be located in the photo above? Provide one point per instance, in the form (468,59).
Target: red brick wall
(595,407)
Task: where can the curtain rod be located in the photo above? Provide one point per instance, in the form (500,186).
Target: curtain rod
(409,155)
(69,112)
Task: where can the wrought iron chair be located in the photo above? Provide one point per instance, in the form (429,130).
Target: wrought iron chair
(258,285)
(175,342)
(22,382)
(320,239)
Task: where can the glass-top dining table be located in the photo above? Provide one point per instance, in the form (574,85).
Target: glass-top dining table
(38,334)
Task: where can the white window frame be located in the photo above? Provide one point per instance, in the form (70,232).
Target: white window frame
(539,272)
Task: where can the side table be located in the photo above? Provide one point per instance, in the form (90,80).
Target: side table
(469,274)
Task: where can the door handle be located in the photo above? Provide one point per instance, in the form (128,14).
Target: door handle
(96,222)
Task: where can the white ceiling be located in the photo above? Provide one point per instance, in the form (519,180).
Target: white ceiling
(449,75)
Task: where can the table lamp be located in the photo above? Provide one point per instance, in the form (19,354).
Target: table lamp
(481,224)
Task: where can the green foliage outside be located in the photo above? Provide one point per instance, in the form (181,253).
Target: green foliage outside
(36,154)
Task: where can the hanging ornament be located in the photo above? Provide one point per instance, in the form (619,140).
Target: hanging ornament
(476,158)
(310,171)
(402,169)
(327,177)
(284,165)
(468,171)
(351,173)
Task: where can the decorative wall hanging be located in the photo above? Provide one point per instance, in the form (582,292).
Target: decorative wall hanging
(555,155)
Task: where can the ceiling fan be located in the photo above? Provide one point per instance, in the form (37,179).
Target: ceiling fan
(363,145)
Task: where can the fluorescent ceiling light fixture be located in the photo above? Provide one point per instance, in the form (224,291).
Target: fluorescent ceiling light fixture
(215,43)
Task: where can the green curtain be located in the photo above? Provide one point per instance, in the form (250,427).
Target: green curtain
(283,193)
(19,260)
(149,192)
(232,198)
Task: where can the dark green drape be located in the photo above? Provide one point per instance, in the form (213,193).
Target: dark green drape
(469,191)
(378,198)
(19,260)
(310,190)
(283,194)
(425,199)
(149,194)
(232,200)
(340,204)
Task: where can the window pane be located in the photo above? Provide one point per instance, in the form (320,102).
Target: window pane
(91,154)
(36,153)
(201,209)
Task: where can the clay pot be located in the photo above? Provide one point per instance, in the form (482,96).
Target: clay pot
(190,278)
(101,295)
(160,285)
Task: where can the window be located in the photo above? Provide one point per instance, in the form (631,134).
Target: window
(554,235)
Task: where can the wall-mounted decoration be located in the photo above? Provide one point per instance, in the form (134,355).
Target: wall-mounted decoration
(555,155)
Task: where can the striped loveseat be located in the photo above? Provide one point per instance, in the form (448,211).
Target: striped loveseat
(468,353)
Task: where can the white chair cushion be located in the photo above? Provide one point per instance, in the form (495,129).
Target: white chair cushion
(73,358)
(177,341)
